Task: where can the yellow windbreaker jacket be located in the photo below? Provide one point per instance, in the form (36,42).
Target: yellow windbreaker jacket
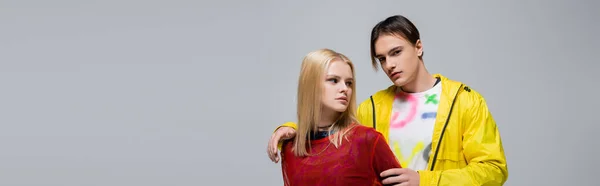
(466,145)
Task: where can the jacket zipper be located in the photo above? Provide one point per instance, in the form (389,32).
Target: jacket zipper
(374,114)
(437,148)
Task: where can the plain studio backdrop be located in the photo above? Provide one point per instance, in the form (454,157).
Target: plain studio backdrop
(122,93)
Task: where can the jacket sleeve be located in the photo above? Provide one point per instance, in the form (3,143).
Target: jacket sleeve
(287,124)
(364,113)
(483,151)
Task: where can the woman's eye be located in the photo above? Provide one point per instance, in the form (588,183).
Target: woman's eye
(348,83)
(333,80)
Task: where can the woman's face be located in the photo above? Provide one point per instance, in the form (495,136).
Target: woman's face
(337,86)
(398,58)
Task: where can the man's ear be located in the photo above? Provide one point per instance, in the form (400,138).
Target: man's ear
(419,47)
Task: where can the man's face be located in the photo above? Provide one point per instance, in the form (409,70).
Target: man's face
(398,58)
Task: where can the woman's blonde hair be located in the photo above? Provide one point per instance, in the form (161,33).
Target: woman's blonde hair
(310,90)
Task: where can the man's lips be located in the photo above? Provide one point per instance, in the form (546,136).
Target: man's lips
(394,74)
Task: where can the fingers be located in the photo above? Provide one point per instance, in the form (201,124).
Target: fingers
(283,133)
(392,172)
(394,176)
(402,184)
(269,154)
(400,179)
(270,146)
(274,157)
(273,143)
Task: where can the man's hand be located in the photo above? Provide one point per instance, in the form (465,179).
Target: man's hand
(283,133)
(400,177)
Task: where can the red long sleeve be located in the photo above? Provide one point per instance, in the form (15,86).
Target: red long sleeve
(358,161)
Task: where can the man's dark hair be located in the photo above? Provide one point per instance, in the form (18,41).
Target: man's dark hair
(395,25)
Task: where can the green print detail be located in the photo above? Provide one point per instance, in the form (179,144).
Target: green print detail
(431,98)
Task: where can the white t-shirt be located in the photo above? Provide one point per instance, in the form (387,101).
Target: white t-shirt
(411,126)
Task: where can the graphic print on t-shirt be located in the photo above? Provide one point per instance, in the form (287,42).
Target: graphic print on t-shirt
(411,126)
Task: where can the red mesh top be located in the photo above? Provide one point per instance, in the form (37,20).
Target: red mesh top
(358,161)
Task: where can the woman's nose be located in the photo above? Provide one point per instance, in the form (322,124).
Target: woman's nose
(344,87)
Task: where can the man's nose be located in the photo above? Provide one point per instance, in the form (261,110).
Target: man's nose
(389,65)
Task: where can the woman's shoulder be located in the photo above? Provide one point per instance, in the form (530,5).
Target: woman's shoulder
(287,145)
(367,133)
(358,127)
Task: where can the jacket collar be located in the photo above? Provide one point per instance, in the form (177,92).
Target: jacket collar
(449,90)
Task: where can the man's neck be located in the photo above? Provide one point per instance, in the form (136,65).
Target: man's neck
(423,81)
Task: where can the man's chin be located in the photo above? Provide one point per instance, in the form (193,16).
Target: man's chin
(400,82)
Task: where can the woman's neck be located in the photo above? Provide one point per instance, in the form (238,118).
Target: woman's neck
(423,81)
(327,120)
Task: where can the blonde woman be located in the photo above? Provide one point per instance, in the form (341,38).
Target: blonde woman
(331,147)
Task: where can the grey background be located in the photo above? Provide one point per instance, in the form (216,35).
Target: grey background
(188,92)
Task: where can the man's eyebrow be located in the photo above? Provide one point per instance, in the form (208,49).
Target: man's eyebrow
(394,49)
(389,51)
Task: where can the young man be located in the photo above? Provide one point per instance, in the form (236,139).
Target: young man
(439,129)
